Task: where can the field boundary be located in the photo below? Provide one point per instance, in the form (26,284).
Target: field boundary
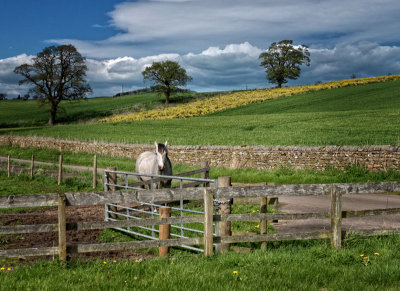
(379,157)
(207,195)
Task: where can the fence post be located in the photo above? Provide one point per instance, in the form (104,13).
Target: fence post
(94,171)
(8,166)
(164,231)
(208,222)
(263,223)
(206,174)
(336,217)
(60,170)
(32,165)
(62,229)
(112,179)
(224,227)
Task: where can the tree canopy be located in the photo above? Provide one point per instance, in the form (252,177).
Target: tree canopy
(282,61)
(57,73)
(167,75)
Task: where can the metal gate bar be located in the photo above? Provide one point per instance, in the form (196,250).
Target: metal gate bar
(152,206)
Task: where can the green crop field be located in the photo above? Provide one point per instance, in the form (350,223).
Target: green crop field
(15,113)
(361,115)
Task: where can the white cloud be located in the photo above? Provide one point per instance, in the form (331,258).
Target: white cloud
(363,59)
(154,27)
(8,79)
(235,66)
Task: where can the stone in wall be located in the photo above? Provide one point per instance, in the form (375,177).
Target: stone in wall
(256,157)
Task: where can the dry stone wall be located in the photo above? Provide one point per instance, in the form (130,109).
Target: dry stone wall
(256,157)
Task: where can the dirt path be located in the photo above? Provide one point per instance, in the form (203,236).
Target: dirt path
(308,204)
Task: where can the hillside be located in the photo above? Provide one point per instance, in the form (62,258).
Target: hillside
(360,115)
(17,113)
(241,98)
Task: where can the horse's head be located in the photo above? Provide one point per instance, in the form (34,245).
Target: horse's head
(162,152)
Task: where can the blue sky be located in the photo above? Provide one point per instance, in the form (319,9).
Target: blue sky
(25,25)
(217,41)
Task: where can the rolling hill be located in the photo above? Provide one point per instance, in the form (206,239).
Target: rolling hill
(359,115)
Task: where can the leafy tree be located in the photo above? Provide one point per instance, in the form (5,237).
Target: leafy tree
(3,96)
(57,73)
(282,61)
(167,75)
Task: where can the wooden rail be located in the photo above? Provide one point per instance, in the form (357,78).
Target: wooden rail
(168,195)
(206,195)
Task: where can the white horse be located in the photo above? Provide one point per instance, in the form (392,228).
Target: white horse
(153,162)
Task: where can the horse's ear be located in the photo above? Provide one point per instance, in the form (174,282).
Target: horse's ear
(156,144)
(166,143)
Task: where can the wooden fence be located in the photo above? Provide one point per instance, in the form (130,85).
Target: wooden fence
(59,166)
(336,191)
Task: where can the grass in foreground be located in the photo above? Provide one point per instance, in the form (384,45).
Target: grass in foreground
(362,115)
(308,265)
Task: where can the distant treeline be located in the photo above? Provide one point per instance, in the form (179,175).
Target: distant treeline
(150,90)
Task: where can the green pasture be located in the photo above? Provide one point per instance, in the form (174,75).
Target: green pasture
(16,113)
(309,265)
(279,175)
(362,115)
(22,184)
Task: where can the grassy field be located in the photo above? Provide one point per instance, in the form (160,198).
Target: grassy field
(361,115)
(368,114)
(16,113)
(284,266)
(21,183)
(279,175)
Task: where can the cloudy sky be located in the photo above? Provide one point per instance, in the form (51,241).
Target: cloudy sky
(217,41)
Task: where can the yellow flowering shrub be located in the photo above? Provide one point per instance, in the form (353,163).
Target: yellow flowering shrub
(220,103)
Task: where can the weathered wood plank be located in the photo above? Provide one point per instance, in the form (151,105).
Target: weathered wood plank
(374,232)
(31,252)
(14,201)
(85,248)
(132,196)
(13,229)
(273,237)
(270,216)
(93,198)
(263,223)
(164,231)
(307,189)
(370,212)
(62,228)
(336,218)
(208,222)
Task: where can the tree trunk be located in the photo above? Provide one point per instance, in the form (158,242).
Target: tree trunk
(167,93)
(53,111)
